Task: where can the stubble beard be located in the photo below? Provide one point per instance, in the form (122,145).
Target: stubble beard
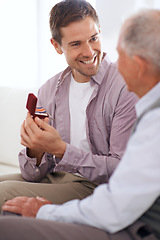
(99,60)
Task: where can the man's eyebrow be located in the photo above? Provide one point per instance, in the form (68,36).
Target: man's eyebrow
(78,41)
(74,42)
(94,35)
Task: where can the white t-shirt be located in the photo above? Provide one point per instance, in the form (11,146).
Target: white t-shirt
(79,95)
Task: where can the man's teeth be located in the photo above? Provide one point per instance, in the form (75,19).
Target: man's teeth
(89,62)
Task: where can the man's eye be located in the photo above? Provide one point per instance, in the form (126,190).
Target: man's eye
(94,39)
(75,44)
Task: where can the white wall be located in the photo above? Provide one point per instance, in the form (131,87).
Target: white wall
(112,14)
(27,58)
(18,43)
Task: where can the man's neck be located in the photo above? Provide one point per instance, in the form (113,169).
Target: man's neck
(80,78)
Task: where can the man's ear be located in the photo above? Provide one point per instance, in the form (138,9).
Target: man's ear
(56,46)
(141,64)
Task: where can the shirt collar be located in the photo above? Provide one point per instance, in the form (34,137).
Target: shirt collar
(102,69)
(148,99)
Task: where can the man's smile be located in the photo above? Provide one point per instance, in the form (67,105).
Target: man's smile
(89,61)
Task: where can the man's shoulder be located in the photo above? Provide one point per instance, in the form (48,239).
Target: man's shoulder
(113,83)
(110,74)
(112,77)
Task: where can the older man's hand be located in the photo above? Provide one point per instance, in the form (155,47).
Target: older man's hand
(25,206)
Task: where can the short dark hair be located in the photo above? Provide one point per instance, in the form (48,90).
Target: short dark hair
(67,11)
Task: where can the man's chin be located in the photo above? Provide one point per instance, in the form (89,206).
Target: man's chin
(90,73)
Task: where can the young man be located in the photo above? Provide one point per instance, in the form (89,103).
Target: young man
(93,115)
(128,207)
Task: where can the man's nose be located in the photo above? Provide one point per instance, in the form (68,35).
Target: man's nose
(87,50)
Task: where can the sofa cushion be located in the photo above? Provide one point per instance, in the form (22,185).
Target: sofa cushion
(13,112)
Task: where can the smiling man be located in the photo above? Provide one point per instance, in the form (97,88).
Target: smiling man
(82,52)
(93,113)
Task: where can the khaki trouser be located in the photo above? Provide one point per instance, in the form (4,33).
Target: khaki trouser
(58,187)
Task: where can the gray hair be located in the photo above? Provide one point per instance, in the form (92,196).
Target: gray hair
(141,36)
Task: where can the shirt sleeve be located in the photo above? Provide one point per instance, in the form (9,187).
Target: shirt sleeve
(132,189)
(30,171)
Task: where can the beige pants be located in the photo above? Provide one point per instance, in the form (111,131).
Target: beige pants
(58,187)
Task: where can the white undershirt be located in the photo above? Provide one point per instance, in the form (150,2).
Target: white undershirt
(79,95)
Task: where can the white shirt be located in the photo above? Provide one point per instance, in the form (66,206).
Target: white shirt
(79,95)
(134,185)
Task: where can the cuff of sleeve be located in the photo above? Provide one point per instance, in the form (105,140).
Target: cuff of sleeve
(74,154)
(24,158)
(70,160)
(45,212)
(33,161)
(66,212)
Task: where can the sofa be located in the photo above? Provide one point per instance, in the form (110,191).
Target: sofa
(13,112)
